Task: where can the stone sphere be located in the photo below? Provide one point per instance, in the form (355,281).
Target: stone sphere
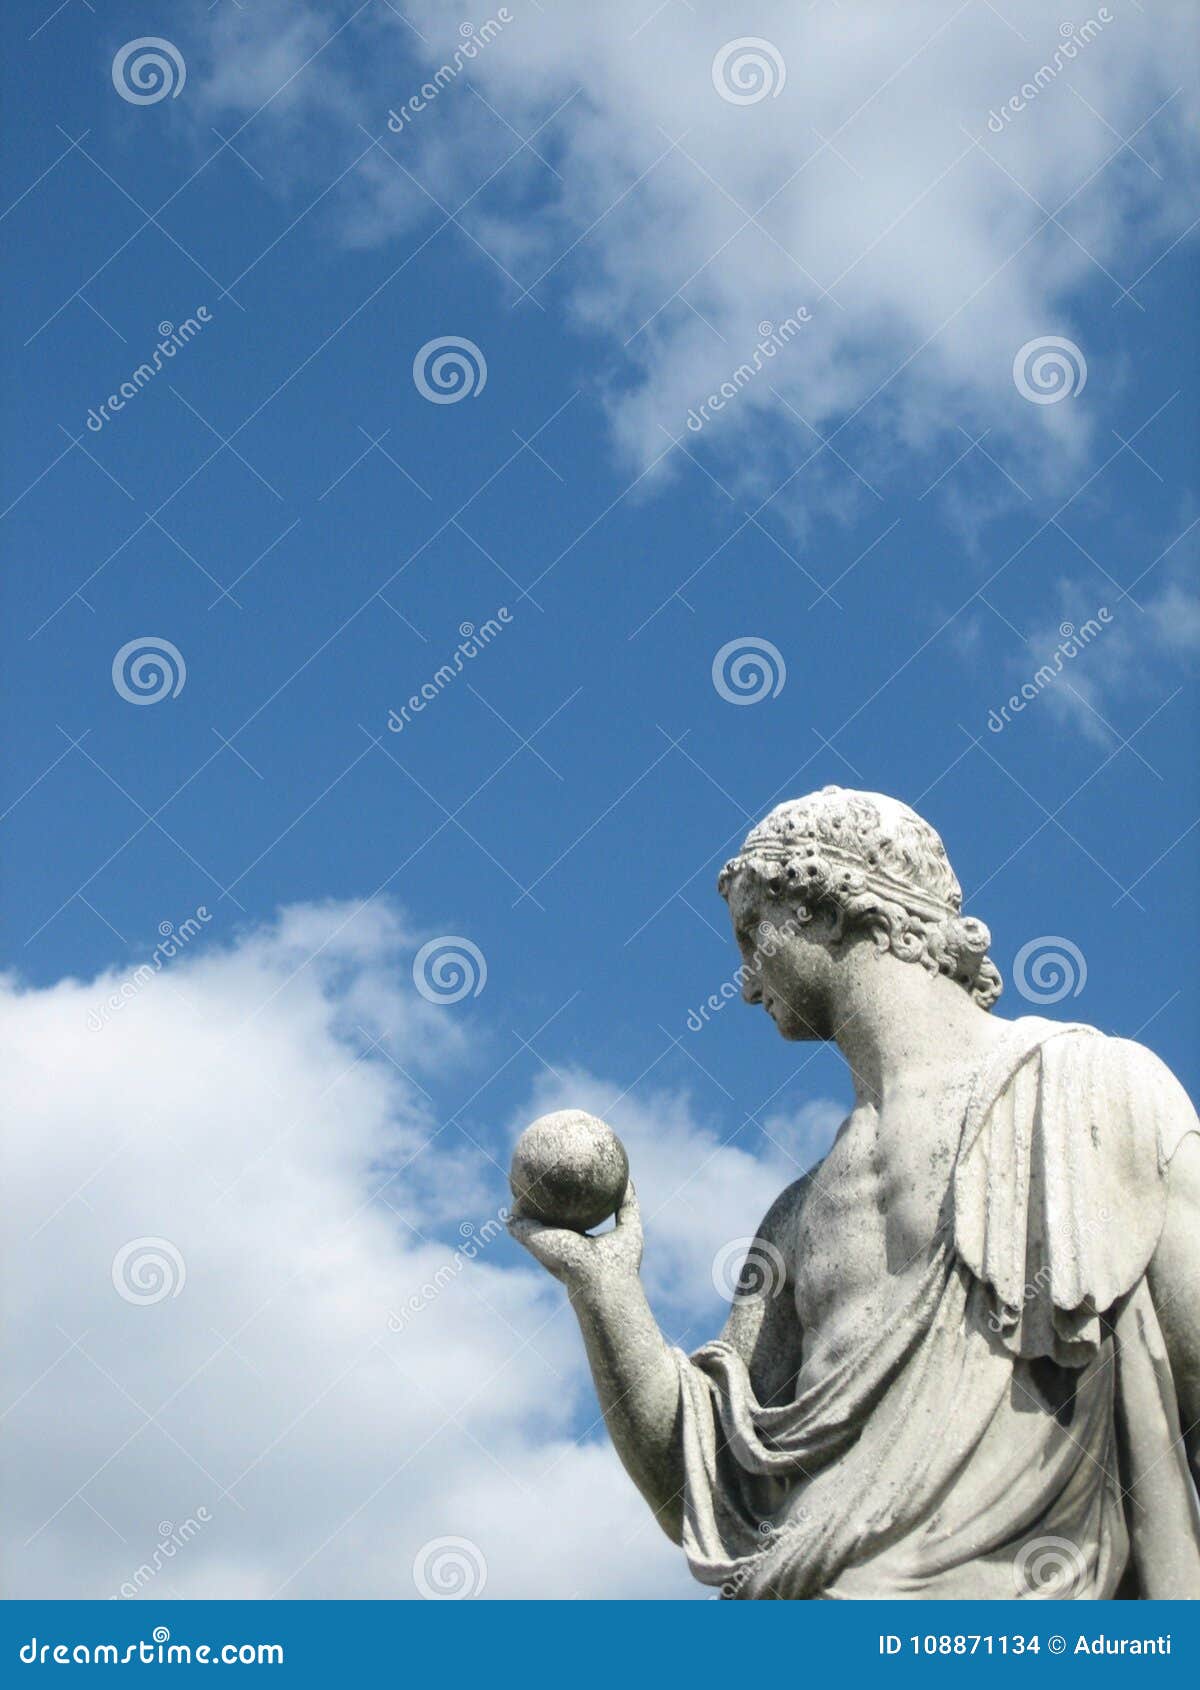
(569,1169)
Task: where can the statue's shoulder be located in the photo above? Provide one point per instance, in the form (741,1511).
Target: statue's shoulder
(1097,1072)
(1061,1180)
(1031,1031)
(1089,1045)
(1081,1044)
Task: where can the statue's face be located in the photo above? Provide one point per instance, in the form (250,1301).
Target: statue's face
(789,965)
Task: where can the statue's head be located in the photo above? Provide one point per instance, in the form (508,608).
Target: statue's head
(828,873)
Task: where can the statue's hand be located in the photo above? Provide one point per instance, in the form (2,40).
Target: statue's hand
(579,1259)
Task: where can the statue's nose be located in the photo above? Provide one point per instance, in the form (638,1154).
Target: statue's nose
(752,986)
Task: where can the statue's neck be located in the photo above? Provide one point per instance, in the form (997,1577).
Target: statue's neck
(896,1024)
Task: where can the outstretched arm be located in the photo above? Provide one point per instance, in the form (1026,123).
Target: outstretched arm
(630,1360)
(635,1374)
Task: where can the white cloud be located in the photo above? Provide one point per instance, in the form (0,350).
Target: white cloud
(237,1108)
(876,193)
(1115,657)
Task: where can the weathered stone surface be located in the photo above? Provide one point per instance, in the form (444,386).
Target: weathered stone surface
(569,1169)
(964,1356)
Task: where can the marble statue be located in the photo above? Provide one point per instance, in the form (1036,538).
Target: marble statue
(964,1355)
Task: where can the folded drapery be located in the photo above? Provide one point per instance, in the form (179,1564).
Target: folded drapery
(1018,1396)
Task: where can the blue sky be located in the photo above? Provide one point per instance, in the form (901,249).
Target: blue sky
(881,504)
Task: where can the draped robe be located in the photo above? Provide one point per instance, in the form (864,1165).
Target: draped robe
(1019,1405)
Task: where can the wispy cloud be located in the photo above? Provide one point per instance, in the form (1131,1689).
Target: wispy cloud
(1111,652)
(597,165)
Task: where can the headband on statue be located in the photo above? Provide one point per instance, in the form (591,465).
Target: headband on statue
(851,844)
(816,866)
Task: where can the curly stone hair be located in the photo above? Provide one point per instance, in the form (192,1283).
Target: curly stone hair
(874,866)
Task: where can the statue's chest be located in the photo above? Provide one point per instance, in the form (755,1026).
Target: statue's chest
(872,1211)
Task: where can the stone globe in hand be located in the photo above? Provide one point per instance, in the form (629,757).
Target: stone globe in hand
(569,1169)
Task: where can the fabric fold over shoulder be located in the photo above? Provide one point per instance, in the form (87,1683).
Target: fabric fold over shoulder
(1059,1195)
